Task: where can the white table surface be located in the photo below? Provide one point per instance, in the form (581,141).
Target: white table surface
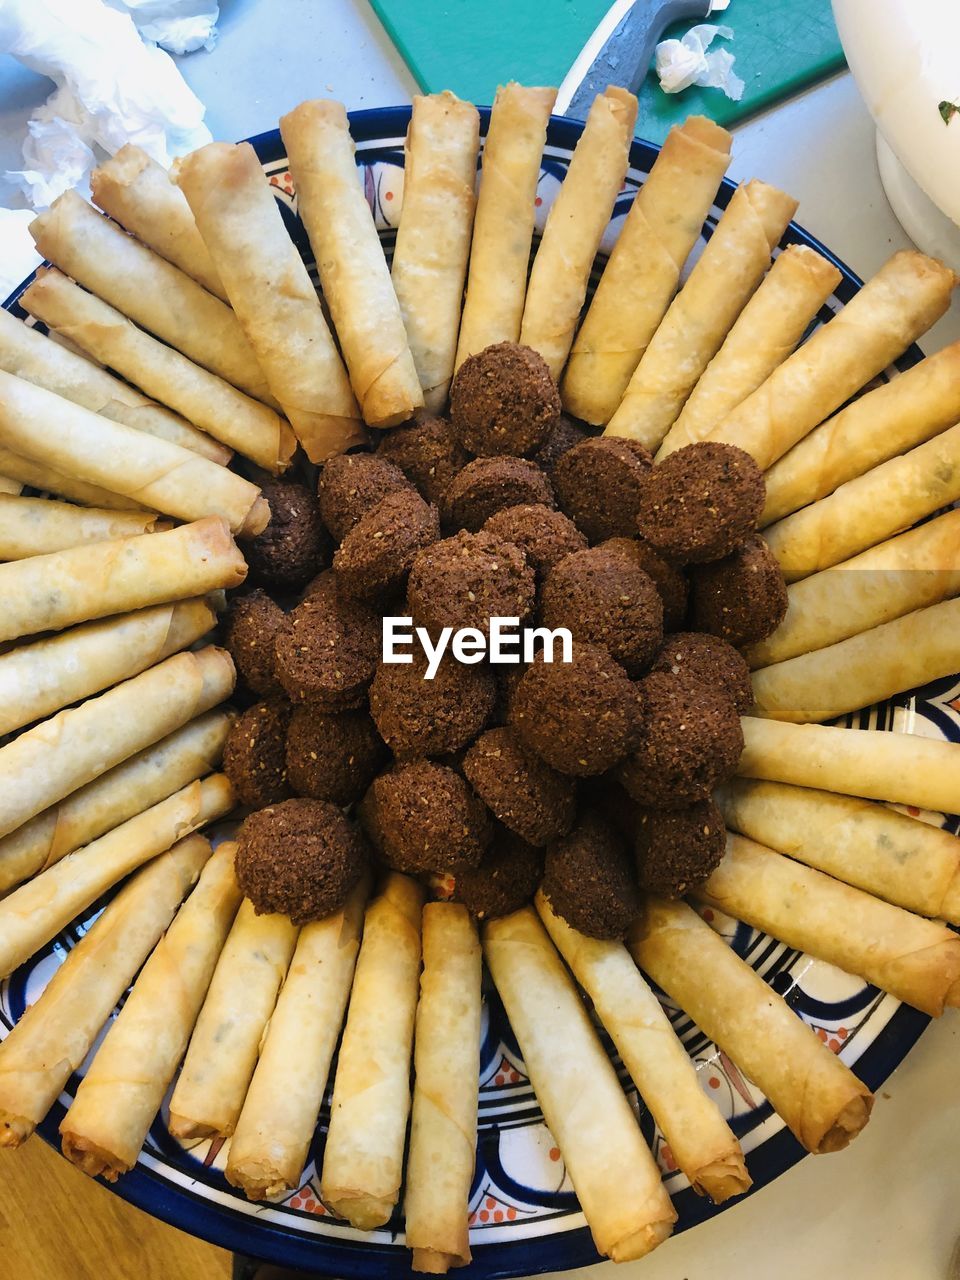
(887,1208)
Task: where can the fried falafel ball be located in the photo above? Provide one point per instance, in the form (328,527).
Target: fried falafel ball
(599,483)
(254,755)
(504,401)
(605,599)
(519,788)
(588,879)
(543,534)
(332,755)
(710,660)
(701,502)
(668,579)
(374,559)
(427,452)
(581,717)
(562,437)
(295,544)
(253,623)
(690,740)
(350,484)
(488,485)
(429,819)
(676,849)
(300,858)
(465,580)
(329,652)
(418,717)
(742,598)
(506,879)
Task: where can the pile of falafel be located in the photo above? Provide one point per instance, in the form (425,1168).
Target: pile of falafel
(591,779)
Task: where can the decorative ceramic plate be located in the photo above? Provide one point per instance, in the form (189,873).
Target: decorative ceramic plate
(523,1212)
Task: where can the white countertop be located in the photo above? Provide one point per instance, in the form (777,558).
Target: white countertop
(887,1207)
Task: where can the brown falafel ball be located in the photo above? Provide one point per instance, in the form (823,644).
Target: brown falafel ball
(710,660)
(328,653)
(300,858)
(562,437)
(466,580)
(253,623)
(676,849)
(375,557)
(419,717)
(487,485)
(350,484)
(700,502)
(332,755)
(543,534)
(581,717)
(427,452)
(504,401)
(295,545)
(588,879)
(742,598)
(519,788)
(368,816)
(507,676)
(429,819)
(603,598)
(667,578)
(254,757)
(599,483)
(508,876)
(690,740)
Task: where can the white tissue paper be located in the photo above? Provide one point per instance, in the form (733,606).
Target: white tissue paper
(681,63)
(111,89)
(179,26)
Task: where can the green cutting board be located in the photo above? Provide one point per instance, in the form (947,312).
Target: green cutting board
(471,46)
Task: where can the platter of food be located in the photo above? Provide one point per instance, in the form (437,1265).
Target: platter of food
(707,855)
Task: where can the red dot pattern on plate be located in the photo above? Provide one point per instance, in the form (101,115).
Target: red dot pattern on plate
(539,201)
(713,1082)
(307,1201)
(554,1153)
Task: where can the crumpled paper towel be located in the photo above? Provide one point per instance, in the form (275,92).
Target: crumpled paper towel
(681,63)
(111,89)
(179,26)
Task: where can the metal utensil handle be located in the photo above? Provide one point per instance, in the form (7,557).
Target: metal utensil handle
(624,58)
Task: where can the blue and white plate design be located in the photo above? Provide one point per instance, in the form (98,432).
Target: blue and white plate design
(525,1218)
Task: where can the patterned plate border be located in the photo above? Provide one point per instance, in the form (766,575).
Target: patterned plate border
(870,1030)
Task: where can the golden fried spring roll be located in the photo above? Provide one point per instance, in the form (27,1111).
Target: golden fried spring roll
(885,421)
(35,912)
(610,1165)
(363,1158)
(25,352)
(699,318)
(56,1033)
(433,239)
(895,857)
(443,1128)
(103,333)
(46,763)
(503,227)
(643,270)
(122,792)
(906,296)
(914,959)
(121,1092)
(869,509)
(10,486)
(863,669)
(137,192)
(901,767)
(38,679)
(819,1098)
(27,471)
(914,569)
(37,526)
(272,294)
(575,225)
(213,1081)
(48,592)
(272,1138)
(148,289)
(764,334)
(153,473)
(701,1140)
(353,270)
